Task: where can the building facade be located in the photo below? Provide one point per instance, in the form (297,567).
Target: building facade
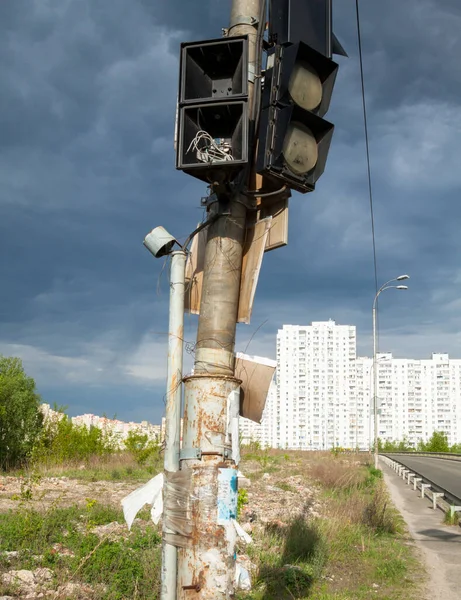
(322,396)
(415,397)
(315,396)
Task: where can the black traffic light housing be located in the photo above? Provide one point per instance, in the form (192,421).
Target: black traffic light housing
(277,80)
(212,128)
(308,21)
(271,161)
(282,156)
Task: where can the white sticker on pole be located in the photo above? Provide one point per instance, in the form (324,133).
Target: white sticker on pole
(227,495)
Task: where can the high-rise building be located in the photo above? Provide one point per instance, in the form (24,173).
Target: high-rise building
(315,400)
(415,397)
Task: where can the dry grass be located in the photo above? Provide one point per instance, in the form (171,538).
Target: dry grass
(352,550)
(113,467)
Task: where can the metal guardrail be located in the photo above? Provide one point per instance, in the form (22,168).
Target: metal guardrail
(425,484)
(443,455)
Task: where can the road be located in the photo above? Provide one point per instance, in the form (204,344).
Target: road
(444,473)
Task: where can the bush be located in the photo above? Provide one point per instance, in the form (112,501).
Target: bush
(63,441)
(378,515)
(20,416)
(141,447)
(438,442)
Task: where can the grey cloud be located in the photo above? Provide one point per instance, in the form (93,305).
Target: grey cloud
(87,169)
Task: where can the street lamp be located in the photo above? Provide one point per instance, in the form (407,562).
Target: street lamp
(161,243)
(386,286)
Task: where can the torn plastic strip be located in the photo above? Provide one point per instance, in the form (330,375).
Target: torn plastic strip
(180,503)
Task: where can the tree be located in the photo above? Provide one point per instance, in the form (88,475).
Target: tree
(141,447)
(20,417)
(438,442)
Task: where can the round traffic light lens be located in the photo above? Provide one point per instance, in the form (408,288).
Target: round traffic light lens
(305,86)
(300,149)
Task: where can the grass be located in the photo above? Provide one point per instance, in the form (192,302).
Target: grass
(451,518)
(114,467)
(354,550)
(122,565)
(351,547)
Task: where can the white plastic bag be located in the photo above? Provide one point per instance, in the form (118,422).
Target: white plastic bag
(149,493)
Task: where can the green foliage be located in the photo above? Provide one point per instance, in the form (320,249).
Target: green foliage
(242,499)
(438,442)
(392,570)
(451,518)
(356,541)
(395,445)
(372,475)
(63,441)
(127,565)
(379,515)
(337,450)
(20,416)
(253,446)
(141,447)
(286,487)
(292,559)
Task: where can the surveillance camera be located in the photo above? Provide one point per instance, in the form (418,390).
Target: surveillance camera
(159,242)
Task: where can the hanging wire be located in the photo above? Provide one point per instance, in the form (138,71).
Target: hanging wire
(367,146)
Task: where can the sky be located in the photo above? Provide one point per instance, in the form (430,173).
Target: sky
(87,107)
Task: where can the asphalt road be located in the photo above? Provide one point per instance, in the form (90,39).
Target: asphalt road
(444,473)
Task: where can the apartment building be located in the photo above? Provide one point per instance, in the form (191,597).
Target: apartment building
(119,429)
(415,397)
(315,406)
(322,395)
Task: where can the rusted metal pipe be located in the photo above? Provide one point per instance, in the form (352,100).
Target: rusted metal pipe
(173,408)
(209,557)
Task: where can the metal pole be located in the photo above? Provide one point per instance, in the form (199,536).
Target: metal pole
(173,407)
(206,566)
(375,385)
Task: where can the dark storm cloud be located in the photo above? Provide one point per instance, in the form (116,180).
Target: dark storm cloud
(87,106)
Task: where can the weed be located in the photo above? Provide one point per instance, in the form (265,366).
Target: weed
(127,566)
(337,557)
(451,518)
(393,570)
(286,487)
(379,515)
(242,499)
(115,474)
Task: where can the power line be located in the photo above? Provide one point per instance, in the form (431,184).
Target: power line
(367,145)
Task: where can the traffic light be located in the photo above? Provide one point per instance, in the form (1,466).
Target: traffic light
(308,21)
(212,128)
(294,139)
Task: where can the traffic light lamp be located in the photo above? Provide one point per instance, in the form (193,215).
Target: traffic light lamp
(294,139)
(212,128)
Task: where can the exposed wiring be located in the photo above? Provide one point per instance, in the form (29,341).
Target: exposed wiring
(367,145)
(261,194)
(211,220)
(209,149)
(253,334)
(255,109)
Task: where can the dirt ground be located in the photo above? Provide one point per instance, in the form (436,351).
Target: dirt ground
(60,491)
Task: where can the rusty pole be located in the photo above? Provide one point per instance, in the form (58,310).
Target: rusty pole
(173,408)
(206,566)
